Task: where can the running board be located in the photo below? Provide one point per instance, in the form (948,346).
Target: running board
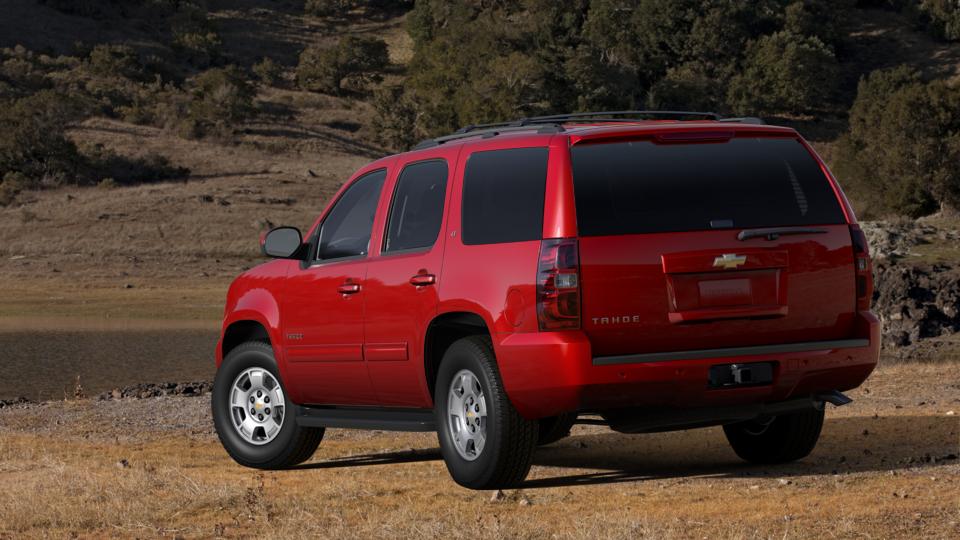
(385,418)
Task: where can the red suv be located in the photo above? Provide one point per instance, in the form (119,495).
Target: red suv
(657,270)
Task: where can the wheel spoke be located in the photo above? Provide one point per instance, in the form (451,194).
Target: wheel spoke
(247,427)
(479,440)
(256,379)
(238,398)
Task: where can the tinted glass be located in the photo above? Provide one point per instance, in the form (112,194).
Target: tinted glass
(503,196)
(346,230)
(417,207)
(642,187)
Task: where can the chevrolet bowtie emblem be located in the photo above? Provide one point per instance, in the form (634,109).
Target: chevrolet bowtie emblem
(729,260)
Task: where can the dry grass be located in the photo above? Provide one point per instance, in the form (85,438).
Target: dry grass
(880,472)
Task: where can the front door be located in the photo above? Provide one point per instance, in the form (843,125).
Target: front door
(323,303)
(402,282)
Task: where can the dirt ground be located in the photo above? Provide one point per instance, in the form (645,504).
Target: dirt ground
(886,467)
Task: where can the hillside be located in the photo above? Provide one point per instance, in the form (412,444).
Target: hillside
(118,247)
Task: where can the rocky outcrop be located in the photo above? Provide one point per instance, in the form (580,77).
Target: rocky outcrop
(149,390)
(916,302)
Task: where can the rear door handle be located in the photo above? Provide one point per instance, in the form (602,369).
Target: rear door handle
(423,279)
(349,288)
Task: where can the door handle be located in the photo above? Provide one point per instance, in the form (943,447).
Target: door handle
(349,288)
(423,279)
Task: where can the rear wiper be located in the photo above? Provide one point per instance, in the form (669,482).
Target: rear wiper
(776,232)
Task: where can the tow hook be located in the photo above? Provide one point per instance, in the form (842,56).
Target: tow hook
(838,399)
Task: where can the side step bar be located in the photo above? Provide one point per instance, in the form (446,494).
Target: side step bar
(385,418)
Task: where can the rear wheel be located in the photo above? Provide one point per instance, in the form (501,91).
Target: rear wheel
(255,420)
(781,439)
(484,441)
(554,428)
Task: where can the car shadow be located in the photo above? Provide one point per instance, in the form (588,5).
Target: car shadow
(388,458)
(847,445)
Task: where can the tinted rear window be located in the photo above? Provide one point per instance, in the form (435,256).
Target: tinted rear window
(641,187)
(503,194)
(417,208)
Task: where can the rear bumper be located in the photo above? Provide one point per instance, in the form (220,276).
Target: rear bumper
(548,373)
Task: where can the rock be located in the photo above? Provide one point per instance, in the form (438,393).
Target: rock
(152,390)
(497,495)
(19,401)
(524,502)
(123,464)
(950,413)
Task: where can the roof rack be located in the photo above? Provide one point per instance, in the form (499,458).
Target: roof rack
(554,123)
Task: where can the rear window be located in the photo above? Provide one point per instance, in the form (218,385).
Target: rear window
(642,187)
(503,194)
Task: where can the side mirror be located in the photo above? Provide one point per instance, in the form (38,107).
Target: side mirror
(282,243)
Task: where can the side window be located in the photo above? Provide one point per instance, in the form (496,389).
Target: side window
(417,208)
(345,231)
(503,193)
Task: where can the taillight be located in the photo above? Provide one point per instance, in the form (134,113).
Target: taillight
(558,284)
(864,272)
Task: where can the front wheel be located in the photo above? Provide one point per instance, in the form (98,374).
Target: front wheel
(255,420)
(780,439)
(484,441)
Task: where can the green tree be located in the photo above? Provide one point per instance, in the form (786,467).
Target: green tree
(33,141)
(903,146)
(784,72)
(324,69)
(944,17)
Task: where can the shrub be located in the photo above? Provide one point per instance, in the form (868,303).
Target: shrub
(901,151)
(324,69)
(213,103)
(784,72)
(267,71)
(325,8)
(686,88)
(195,37)
(944,18)
(396,120)
(33,141)
(12,183)
(107,60)
(822,19)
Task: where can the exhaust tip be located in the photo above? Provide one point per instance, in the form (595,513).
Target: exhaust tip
(835,397)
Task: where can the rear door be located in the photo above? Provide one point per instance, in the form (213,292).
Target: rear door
(674,255)
(401,296)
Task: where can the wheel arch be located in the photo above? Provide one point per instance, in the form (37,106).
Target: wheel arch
(241,331)
(442,332)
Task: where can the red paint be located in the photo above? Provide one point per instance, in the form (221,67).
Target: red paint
(353,332)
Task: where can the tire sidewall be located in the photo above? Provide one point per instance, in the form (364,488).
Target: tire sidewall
(465,472)
(244,357)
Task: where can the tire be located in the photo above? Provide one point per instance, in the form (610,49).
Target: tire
(554,428)
(503,458)
(291,444)
(786,438)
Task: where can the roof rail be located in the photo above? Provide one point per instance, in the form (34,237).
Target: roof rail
(554,123)
(745,120)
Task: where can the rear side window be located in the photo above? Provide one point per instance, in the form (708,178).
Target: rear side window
(417,208)
(503,194)
(641,187)
(345,231)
